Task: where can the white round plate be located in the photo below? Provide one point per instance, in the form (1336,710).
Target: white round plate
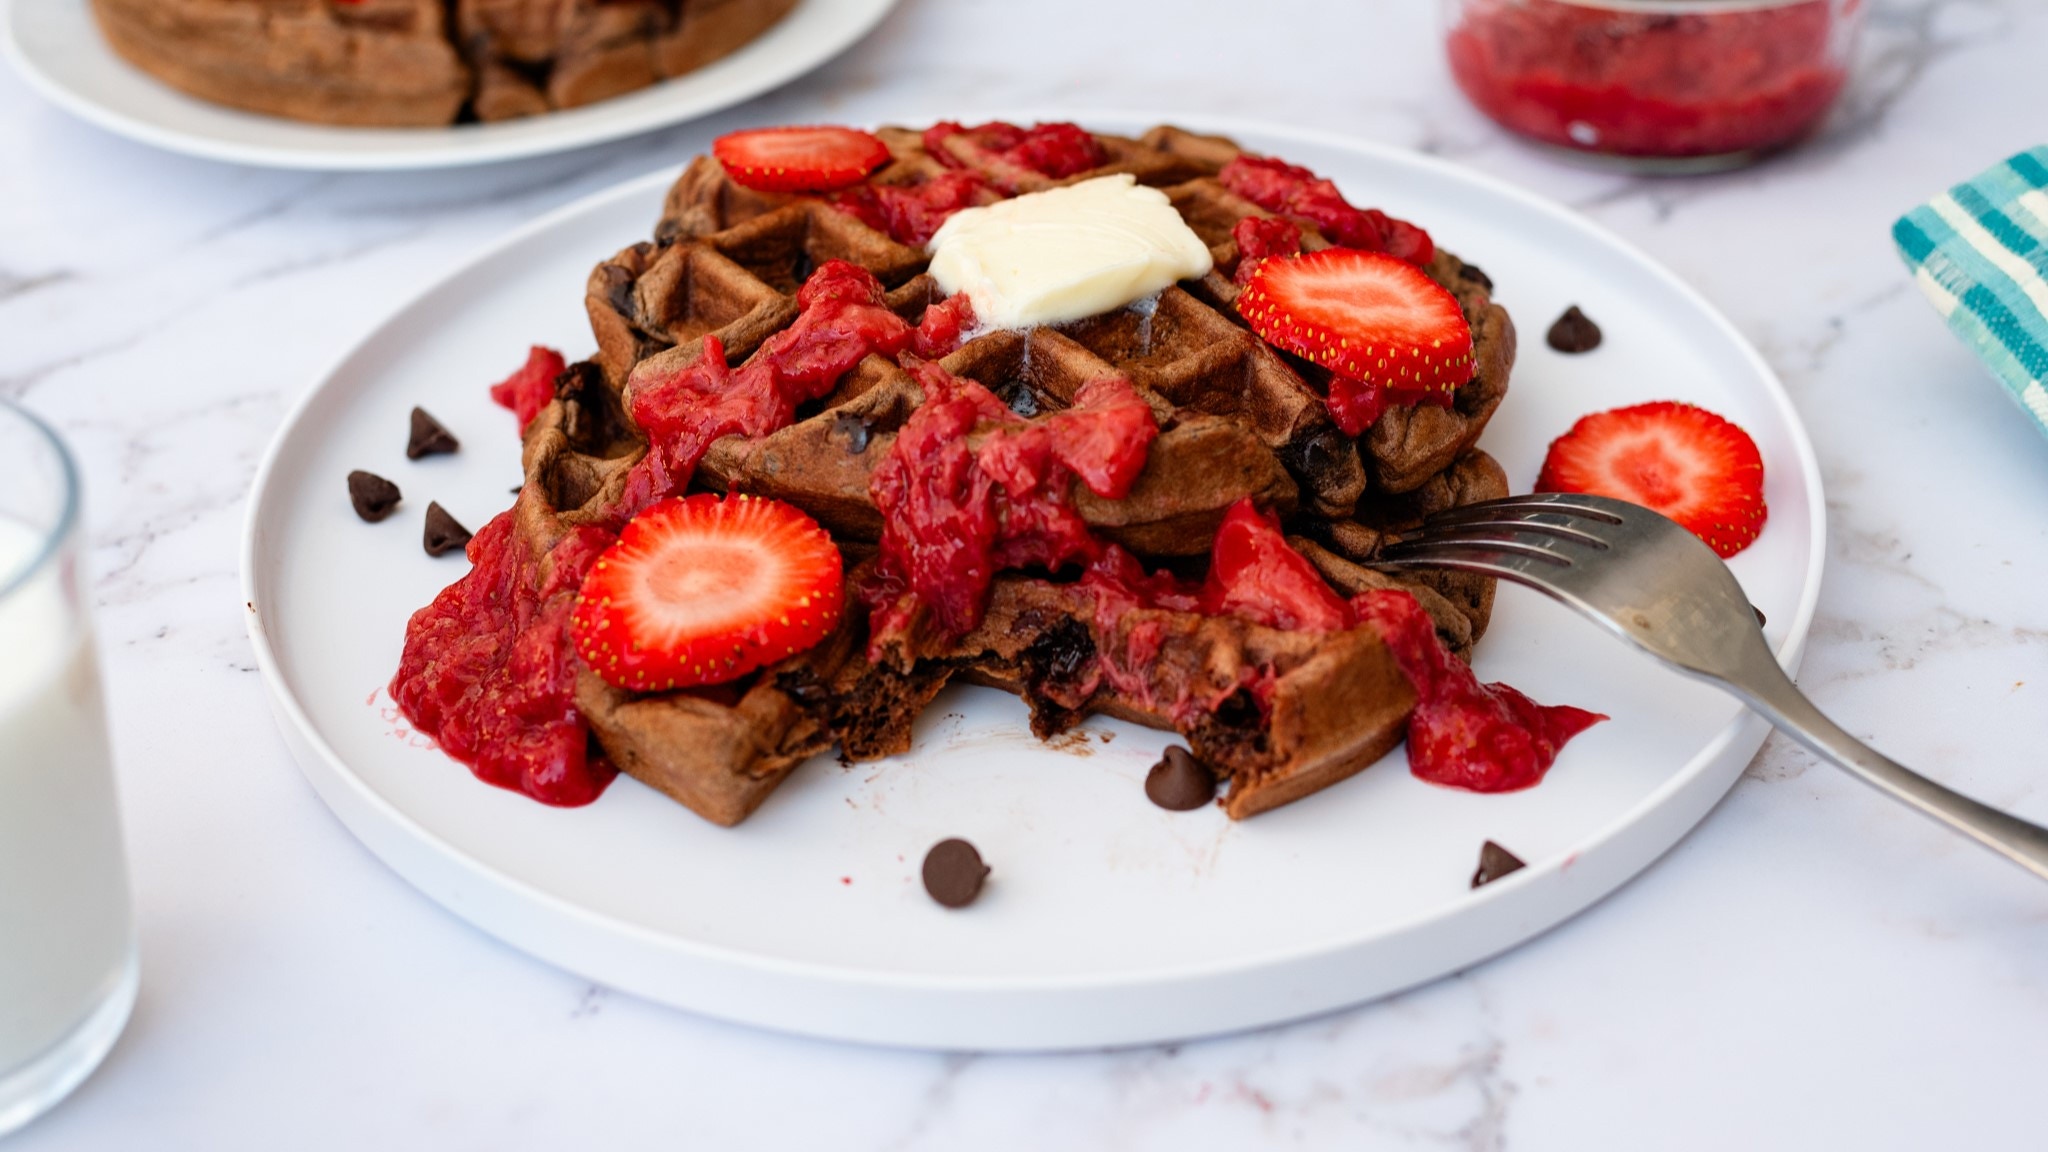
(1107,920)
(58,48)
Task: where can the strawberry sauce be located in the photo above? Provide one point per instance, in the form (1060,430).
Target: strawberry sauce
(488,671)
(1057,150)
(1301,195)
(912,213)
(1464,734)
(1649,84)
(954,514)
(842,320)
(529,389)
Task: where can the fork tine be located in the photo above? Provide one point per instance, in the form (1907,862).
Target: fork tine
(1560,528)
(1563,504)
(1502,550)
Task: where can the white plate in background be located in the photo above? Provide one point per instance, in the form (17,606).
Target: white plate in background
(58,49)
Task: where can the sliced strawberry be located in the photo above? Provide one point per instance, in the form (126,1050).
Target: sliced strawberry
(1683,461)
(800,159)
(703,590)
(1365,316)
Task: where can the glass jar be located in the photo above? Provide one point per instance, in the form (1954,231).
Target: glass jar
(1654,85)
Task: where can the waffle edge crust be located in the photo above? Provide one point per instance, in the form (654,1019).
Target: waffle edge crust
(1237,418)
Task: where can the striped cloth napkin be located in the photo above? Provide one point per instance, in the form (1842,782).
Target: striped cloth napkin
(1980,253)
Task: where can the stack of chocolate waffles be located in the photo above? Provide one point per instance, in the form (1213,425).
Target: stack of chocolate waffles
(1237,418)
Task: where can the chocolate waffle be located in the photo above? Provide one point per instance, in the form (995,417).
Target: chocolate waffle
(531,56)
(422,63)
(373,62)
(1279,713)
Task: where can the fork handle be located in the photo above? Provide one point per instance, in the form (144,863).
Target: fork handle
(1773,694)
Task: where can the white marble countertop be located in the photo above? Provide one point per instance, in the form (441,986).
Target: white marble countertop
(1813,967)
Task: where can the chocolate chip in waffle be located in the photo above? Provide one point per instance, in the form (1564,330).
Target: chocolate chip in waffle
(1236,418)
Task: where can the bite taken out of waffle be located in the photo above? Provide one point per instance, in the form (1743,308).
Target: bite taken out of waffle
(1178,515)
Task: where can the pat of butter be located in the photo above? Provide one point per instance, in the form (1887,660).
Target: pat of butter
(1065,253)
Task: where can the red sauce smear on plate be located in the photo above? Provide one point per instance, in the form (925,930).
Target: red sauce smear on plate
(488,671)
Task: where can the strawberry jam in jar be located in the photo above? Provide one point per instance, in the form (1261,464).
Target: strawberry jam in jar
(1655,85)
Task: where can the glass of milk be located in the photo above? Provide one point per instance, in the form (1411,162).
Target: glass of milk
(67,940)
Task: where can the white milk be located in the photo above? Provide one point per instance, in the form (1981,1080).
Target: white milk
(65,934)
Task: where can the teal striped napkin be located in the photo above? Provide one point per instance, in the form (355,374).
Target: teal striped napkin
(1980,253)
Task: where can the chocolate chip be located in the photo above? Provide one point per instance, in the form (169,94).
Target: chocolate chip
(428,437)
(1179,782)
(852,431)
(443,534)
(373,495)
(1472,272)
(1759,615)
(1494,863)
(953,873)
(1574,332)
(1019,396)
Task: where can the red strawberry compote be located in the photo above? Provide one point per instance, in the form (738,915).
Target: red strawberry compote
(1058,150)
(911,213)
(1464,734)
(955,513)
(1670,80)
(529,389)
(489,673)
(842,320)
(1299,194)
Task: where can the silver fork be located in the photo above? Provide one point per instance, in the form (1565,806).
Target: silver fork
(1652,582)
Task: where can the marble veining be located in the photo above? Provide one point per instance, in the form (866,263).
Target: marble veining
(1813,967)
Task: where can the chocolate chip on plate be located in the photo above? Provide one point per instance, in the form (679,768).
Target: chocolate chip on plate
(1476,275)
(1494,863)
(1179,782)
(443,534)
(373,495)
(1574,332)
(953,873)
(429,437)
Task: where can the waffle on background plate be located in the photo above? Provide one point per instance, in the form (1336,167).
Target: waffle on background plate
(422,63)
(1237,418)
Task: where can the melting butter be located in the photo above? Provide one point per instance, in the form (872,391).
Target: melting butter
(1065,253)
